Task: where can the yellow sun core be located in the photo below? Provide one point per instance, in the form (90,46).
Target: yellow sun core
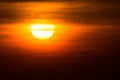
(42,31)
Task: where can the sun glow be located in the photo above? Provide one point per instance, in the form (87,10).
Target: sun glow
(42,31)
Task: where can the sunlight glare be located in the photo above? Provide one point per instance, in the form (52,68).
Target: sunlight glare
(42,31)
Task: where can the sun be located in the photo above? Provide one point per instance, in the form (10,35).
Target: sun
(42,31)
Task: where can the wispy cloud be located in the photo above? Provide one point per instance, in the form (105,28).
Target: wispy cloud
(86,13)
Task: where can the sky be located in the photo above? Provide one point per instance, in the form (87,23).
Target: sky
(68,13)
(93,12)
(66,0)
(72,15)
(86,41)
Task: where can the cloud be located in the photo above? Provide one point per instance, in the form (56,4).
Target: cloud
(59,0)
(78,13)
(9,13)
(107,13)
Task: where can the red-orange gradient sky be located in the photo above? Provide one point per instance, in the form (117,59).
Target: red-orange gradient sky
(77,26)
(85,42)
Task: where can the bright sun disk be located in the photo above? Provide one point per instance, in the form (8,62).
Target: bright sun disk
(42,31)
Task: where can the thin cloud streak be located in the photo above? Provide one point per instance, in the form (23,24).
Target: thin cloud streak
(86,13)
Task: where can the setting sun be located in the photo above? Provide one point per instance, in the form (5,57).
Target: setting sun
(42,31)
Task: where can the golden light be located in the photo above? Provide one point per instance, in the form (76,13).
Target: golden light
(58,35)
(42,31)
